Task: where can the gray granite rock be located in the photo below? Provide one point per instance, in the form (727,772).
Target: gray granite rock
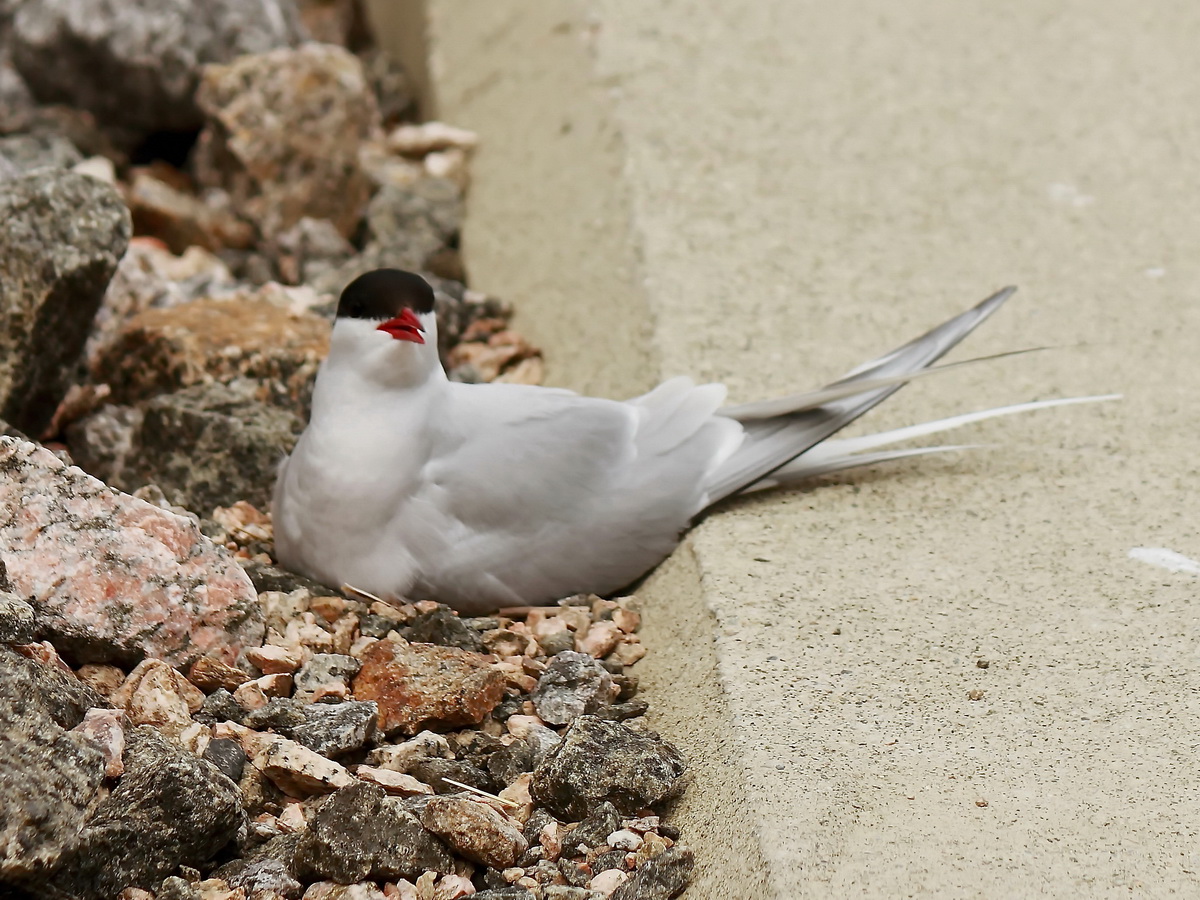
(324,668)
(266,876)
(169,809)
(569,892)
(328,728)
(219,706)
(209,445)
(308,249)
(408,224)
(594,830)
(661,878)
(359,833)
(600,760)
(58,694)
(573,684)
(49,776)
(442,626)
(434,773)
(101,443)
(61,235)
(510,763)
(136,63)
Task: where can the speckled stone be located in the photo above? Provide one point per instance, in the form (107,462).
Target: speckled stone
(25,152)
(475,830)
(135,63)
(162,591)
(18,624)
(284,133)
(61,235)
(49,777)
(572,685)
(209,445)
(359,832)
(599,760)
(326,728)
(169,809)
(661,878)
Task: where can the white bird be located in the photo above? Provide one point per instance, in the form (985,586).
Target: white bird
(408,485)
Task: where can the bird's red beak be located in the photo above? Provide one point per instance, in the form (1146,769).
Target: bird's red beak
(405,327)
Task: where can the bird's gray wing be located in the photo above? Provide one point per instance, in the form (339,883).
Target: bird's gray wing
(513,457)
(547,492)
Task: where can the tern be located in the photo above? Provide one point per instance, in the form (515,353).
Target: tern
(409,486)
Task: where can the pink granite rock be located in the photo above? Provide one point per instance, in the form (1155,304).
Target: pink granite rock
(115,578)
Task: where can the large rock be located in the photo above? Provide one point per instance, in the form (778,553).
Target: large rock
(136,63)
(169,809)
(359,832)
(420,686)
(600,760)
(49,776)
(115,578)
(283,136)
(209,445)
(207,340)
(61,235)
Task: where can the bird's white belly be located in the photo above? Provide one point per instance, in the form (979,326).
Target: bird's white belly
(347,529)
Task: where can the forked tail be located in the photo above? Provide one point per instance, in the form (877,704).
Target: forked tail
(785,438)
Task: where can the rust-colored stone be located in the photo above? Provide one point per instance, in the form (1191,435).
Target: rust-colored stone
(209,674)
(421,686)
(240,336)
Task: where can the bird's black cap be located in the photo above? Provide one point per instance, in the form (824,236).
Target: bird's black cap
(383,293)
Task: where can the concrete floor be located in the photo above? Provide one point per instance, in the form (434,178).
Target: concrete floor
(768,192)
